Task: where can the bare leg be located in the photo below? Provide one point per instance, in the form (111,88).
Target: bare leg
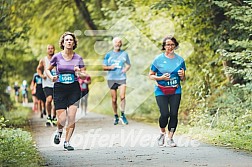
(114,100)
(82,104)
(61,115)
(34,100)
(53,109)
(122,97)
(71,113)
(162,130)
(39,107)
(49,105)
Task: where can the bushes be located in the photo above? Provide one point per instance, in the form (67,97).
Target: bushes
(16,145)
(18,117)
(17,148)
(230,114)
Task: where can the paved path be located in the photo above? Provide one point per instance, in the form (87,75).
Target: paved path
(98,142)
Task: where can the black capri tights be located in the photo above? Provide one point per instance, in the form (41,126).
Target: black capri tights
(168,107)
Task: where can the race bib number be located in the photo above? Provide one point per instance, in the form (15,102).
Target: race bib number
(66,78)
(117,64)
(172,82)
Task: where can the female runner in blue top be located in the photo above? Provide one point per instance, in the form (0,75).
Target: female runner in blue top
(168,69)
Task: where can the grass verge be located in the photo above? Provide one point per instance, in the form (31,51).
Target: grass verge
(16,145)
(239,140)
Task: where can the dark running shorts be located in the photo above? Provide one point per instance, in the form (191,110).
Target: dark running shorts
(48,91)
(114,84)
(40,93)
(66,95)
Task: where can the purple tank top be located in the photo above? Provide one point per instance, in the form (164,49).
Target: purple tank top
(64,67)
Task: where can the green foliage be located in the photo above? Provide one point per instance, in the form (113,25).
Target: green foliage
(10,33)
(147,112)
(209,100)
(18,117)
(13,35)
(239,69)
(211,34)
(17,148)
(238,54)
(222,137)
(16,145)
(227,110)
(2,123)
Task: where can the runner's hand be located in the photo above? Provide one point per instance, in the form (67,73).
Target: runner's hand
(181,73)
(55,78)
(43,77)
(165,76)
(112,67)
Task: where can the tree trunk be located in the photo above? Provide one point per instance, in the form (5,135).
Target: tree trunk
(81,5)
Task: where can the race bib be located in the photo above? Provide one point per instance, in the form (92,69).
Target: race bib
(117,64)
(39,80)
(66,78)
(172,82)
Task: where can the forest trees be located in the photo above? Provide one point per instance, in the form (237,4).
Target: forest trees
(237,53)
(12,31)
(209,26)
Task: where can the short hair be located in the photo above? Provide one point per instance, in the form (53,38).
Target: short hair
(51,45)
(115,39)
(62,40)
(172,39)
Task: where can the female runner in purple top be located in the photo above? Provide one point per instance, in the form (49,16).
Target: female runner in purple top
(66,92)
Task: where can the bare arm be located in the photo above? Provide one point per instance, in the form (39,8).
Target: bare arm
(181,74)
(32,84)
(108,68)
(153,76)
(126,68)
(80,72)
(40,69)
(88,80)
(48,73)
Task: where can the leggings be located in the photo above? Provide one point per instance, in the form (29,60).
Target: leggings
(168,107)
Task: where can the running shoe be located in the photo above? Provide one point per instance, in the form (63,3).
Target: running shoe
(41,115)
(161,140)
(171,143)
(67,146)
(57,137)
(116,120)
(48,122)
(124,120)
(54,121)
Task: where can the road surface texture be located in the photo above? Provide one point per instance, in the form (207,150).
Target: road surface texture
(98,142)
